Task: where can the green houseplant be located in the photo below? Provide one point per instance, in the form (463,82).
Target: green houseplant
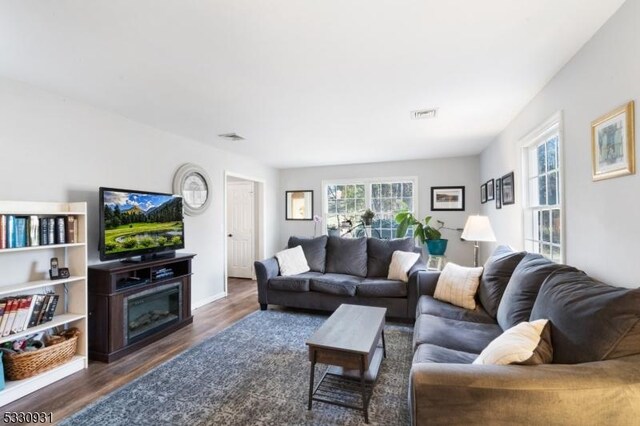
(425,233)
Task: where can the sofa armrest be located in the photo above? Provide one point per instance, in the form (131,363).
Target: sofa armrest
(604,392)
(427,281)
(265,270)
(412,289)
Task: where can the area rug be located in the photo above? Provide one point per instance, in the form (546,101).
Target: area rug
(255,372)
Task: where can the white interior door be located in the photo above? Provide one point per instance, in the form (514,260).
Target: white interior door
(240,229)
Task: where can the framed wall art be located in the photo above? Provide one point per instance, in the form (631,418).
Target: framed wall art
(490,188)
(508,189)
(498,193)
(613,143)
(447,198)
(483,193)
(299,205)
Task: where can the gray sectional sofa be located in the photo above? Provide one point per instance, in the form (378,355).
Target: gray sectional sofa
(595,331)
(343,270)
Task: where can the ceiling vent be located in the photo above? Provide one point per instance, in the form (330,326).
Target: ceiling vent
(232,136)
(423,114)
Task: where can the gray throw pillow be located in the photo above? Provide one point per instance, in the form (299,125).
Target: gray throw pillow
(590,320)
(522,290)
(347,256)
(379,254)
(495,277)
(315,250)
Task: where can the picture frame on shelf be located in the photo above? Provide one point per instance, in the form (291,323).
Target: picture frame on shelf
(613,143)
(447,198)
(483,193)
(299,205)
(498,193)
(508,189)
(490,189)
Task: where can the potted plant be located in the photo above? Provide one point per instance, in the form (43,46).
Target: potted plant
(367,217)
(424,232)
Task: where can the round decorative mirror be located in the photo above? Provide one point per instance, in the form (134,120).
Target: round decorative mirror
(192,182)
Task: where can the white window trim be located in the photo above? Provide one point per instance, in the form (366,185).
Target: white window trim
(367,190)
(550,125)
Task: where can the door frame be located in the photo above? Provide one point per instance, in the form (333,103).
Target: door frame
(260,247)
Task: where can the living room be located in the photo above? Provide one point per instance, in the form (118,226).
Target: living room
(123,94)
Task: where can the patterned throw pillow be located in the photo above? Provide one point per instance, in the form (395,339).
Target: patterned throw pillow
(458,285)
(401,263)
(292,261)
(528,343)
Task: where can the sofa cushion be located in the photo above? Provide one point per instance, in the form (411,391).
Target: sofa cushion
(527,343)
(452,334)
(347,256)
(438,354)
(431,306)
(292,261)
(379,254)
(299,283)
(401,264)
(495,277)
(315,250)
(590,320)
(522,290)
(379,287)
(338,284)
(458,285)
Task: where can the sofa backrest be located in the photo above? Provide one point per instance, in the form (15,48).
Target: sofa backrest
(495,277)
(523,287)
(379,253)
(315,250)
(347,256)
(590,320)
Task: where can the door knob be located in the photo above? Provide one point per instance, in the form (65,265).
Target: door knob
(230,235)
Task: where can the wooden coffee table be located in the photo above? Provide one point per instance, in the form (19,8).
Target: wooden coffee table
(348,342)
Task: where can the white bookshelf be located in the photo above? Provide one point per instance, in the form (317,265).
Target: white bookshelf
(25,271)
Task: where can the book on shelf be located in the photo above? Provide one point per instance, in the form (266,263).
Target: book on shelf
(72,229)
(23,309)
(51,229)
(11,234)
(44,231)
(3,231)
(51,308)
(61,233)
(27,317)
(21,231)
(3,305)
(45,308)
(33,224)
(5,317)
(37,308)
(10,315)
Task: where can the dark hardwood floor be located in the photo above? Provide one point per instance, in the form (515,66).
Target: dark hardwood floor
(69,395)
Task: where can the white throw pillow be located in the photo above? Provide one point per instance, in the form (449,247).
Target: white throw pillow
(401,263)
(528,343)
(458,285)
(292,261)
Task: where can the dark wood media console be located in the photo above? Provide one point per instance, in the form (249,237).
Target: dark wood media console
(134,304)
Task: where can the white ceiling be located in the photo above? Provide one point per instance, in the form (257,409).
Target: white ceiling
(306,82)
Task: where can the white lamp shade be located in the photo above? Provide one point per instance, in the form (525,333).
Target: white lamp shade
(478,228)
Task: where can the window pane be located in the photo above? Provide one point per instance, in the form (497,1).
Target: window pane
(541,159)
(407,189)
(552,153)
(542,190)
(538,226)
(332,206)
(360,206)
(331,192)
(387,205)
(545,250)
(407,203)
(396,190)
(360,191)
(546,226)
(555,219)
(350,191)
(555,254)
(552,190)
(339,191)
(376,205)
(342,206)
(351,205)
(375,190)
(385,190)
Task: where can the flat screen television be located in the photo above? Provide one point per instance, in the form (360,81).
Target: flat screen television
(139,223)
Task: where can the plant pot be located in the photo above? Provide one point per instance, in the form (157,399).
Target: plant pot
(437,247)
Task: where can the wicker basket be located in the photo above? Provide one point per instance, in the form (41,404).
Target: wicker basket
(28,364)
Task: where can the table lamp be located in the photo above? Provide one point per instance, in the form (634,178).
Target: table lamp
(477,229)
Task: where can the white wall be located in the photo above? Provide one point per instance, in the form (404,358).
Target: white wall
(601,218)
(54,149)
(462,171)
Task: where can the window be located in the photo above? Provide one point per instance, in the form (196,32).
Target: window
(543,197)
(348,200)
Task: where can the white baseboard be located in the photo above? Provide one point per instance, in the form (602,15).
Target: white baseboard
(201,303)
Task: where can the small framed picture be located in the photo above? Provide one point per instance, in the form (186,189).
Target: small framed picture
(613,144)
(508,189)
(498,193)
(483,193)
(490,190)
(299,205)
(447,198)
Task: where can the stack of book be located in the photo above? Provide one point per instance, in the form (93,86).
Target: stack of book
(29,231)
(161,273)
(21,312)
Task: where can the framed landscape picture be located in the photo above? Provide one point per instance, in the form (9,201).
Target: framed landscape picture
(613,143)
(490,187)
(447,198)
(508,189)
(483,193)
(498,193)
